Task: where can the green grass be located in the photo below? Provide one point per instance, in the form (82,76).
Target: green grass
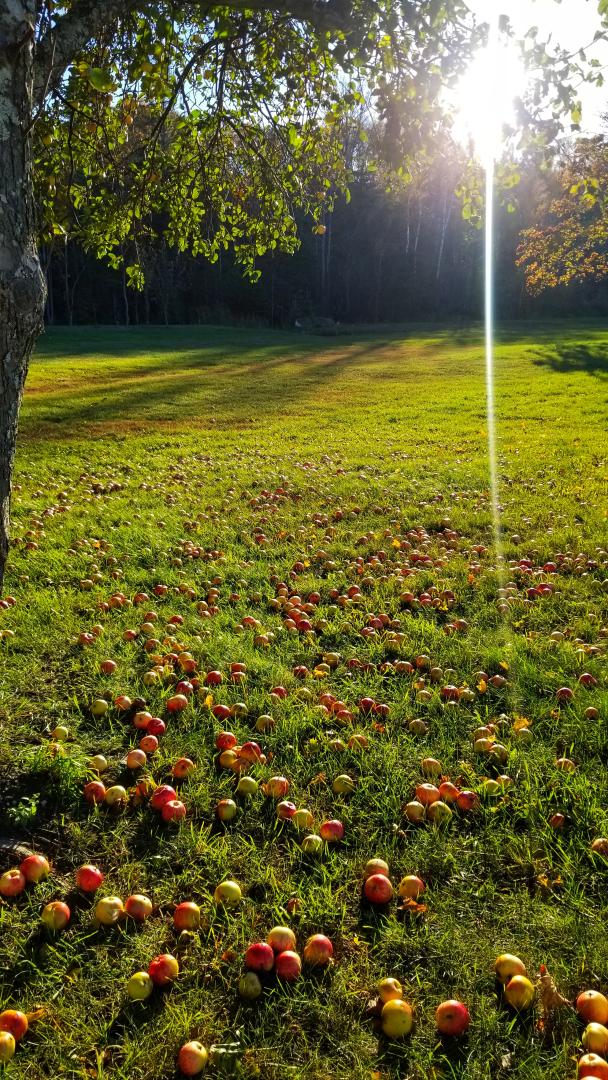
(145,440)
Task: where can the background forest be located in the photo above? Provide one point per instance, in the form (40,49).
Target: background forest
(384,256)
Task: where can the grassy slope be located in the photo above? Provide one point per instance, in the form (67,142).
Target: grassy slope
(190,420)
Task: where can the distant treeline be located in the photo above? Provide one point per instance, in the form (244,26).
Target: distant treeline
(384,257)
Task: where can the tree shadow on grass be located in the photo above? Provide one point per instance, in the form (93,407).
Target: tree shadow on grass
(572,357)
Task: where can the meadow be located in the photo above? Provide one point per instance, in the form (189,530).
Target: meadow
(316,512)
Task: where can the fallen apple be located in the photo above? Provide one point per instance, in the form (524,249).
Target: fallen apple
(250,986)
(520,992)
(259,957)
(595,1038)
(15,1022)
(12,882)
(228,894)
(138,907)
(140,986)
(163,969)
(452,1018)
(507,965)
(390,990)
(35,868)
(109,910)
(378,889)
(592,1007)
(192,1058)
(318,951)
(397,1018)
(7,1046)
(56,915)
(89,878)
(288,965)
(593,1067)
(281,939)
(187,916)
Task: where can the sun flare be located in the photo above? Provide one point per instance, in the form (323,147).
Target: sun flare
(485,98)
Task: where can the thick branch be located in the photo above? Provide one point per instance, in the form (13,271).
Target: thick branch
(68,37)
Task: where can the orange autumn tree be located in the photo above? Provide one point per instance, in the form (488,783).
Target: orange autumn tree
(569,243)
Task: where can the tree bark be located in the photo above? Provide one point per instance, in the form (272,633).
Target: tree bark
(22,288)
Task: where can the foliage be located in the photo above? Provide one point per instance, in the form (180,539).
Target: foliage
(569,241)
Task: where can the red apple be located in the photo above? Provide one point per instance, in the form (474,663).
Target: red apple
(183,767)
(163,969)
(318,951)
(427,794)
(332,831)
(89,878)
(378,889)
(592,1066)
(277,787)
(288,965)
(173,810)
(138,907)
(225,740)
(56,915)
(452,1017)
(592,1007)
(259,957)
(15,1022)
(286,810)
(192,1058)
(95,791)
(156,726)
(177,703)
(34,868)
(187,916)
(12,882)
(162,795)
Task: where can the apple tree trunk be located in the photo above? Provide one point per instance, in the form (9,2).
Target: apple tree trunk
(22,289)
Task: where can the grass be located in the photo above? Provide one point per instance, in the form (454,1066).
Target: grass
(133,444)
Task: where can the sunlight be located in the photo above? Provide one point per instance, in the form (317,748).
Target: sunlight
(485,97)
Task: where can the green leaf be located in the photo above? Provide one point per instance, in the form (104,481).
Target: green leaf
(100,80)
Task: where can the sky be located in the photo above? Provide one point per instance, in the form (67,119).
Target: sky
(571,24)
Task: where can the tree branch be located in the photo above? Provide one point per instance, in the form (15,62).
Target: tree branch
(87,18)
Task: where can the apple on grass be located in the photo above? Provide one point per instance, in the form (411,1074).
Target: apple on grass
(250,986)
(109,910)
(397,1018)
(281,939)
(595,1038)
(163,969)
(592,1066)
(378,889)
(138,907)
(15,1022)
(259,957)
(7,1046)
(228,893)
(34,868)
(56,915)
(192,1058)
(140,986)
(452,1017)
(89,878)
(187,916)
(592,1007)
(507,965)
(12,882)
(288,965)
(390,990)
(520,992)
(318,951)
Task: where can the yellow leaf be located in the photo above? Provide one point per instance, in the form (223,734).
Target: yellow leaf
(503,664)
(209,700)
(482,686)
(520,723)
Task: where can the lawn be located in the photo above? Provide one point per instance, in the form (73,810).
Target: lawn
(239,468)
